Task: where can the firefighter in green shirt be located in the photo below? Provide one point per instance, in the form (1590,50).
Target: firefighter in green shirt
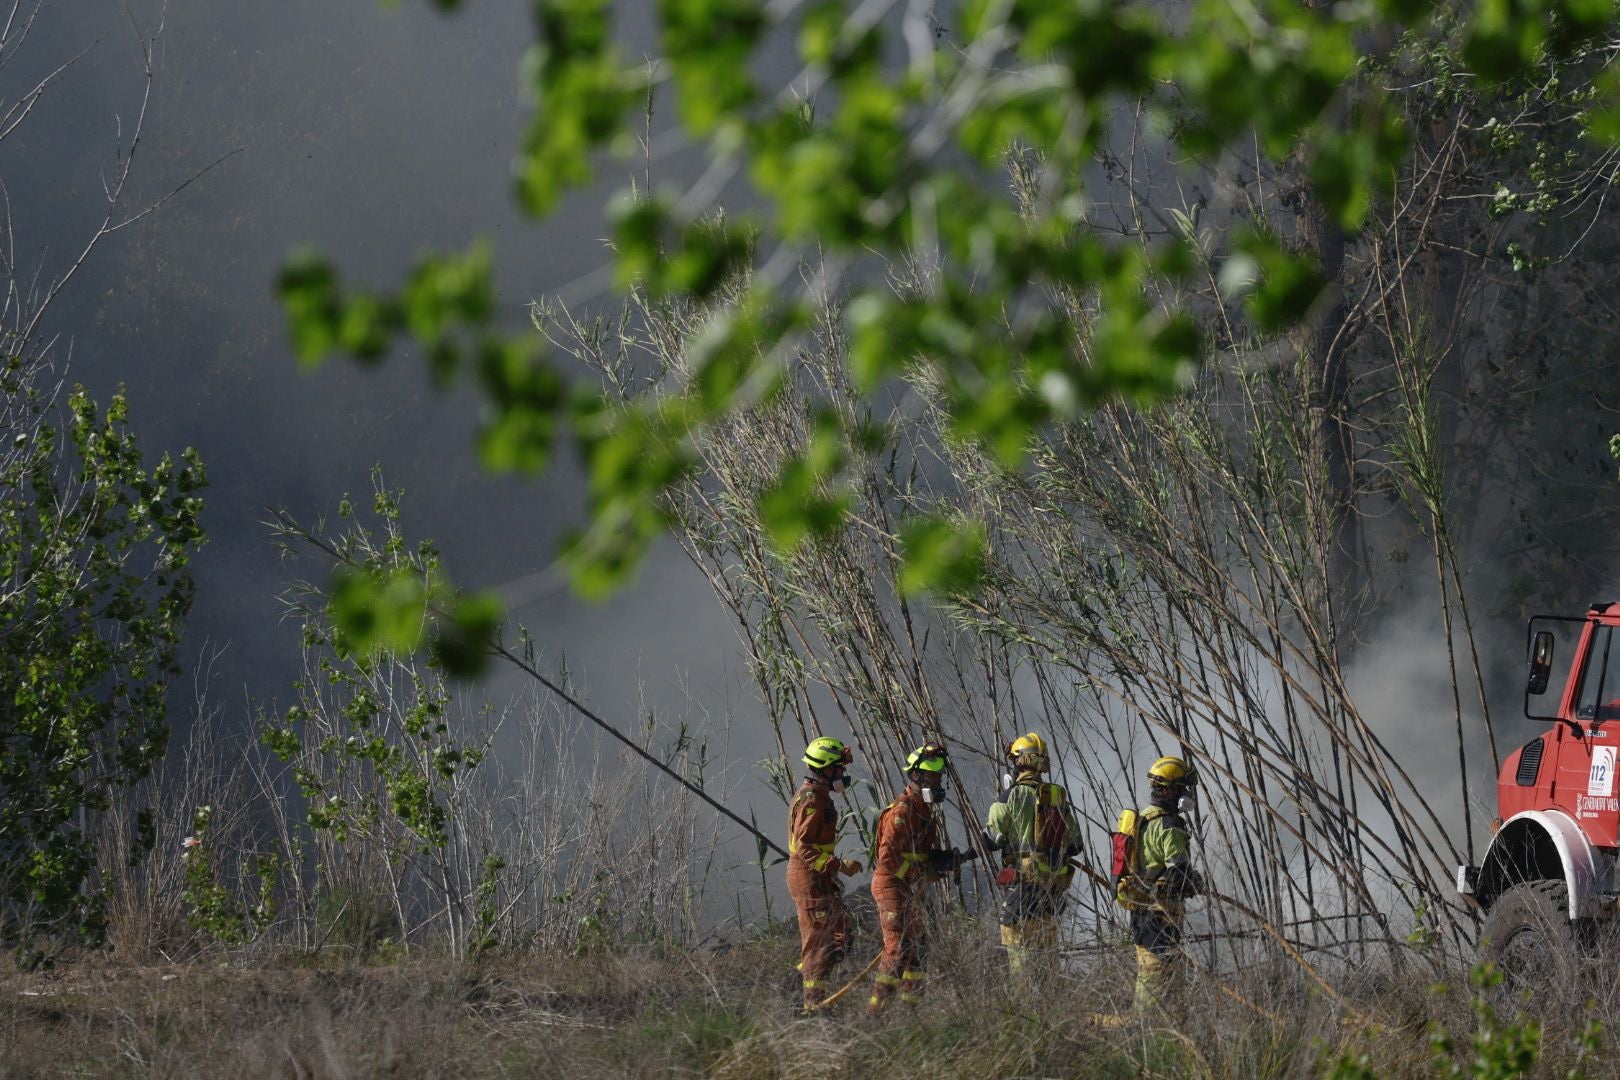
(1035,830)
(1160,878)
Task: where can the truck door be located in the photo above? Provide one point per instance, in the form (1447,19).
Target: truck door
(1588,766)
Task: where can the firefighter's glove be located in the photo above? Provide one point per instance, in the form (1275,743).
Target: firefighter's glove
(849,867)
(943,862)
(990,841)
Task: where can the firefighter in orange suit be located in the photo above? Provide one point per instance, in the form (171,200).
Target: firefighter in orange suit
(907,862)
(814,866)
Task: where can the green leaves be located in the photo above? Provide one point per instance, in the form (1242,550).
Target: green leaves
(95,547)
(582,96)
(378,744)
(942,556)
(1354,166)
(1508,37)
(888,333)
(1013,309)
(1107,47)
(462,642)
(709,44)
(805,501)
(210,906)
(1004,384)
(376,610)
(445,306)
(384,599)
(1101,48)
(1278,286)
(632,454)
(525,398)
(441,295)
(1603,121)
(667,257)
(444,293)
(830,40)
(834,183)
(1274,75)
(1141,354)
(373,610)
(322,320)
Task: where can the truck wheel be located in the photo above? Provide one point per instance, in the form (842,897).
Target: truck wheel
(1531,939)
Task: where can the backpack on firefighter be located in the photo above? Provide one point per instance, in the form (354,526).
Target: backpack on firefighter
(1032,823)
(1047,864)
(1130,892)
(1033,827)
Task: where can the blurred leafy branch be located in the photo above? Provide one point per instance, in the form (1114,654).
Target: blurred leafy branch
(879,155)
(387,596)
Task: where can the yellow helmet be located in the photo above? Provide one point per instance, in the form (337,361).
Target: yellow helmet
(827,751)
(1172,772)
(1028,752)
(930,757)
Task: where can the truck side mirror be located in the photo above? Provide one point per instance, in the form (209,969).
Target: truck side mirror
(1541,655)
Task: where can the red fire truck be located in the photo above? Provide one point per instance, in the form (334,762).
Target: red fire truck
(1547,879)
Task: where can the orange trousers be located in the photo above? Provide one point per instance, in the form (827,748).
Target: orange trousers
(900,918)
(823,931)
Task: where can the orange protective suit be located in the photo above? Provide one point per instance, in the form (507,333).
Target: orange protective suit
(906,835)
(812,880)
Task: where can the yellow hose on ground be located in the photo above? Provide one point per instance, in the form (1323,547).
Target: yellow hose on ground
(1229,991)
(846,988)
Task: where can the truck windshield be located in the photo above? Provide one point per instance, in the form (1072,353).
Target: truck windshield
(1600,679)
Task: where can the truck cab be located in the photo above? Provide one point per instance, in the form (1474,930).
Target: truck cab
(1548,873)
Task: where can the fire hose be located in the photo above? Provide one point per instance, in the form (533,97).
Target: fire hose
(847,987)
(973,838)
(498,649)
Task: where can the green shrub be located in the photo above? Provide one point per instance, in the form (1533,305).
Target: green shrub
(360,919)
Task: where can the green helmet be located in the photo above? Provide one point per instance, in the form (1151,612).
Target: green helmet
(930,757)
(827,751)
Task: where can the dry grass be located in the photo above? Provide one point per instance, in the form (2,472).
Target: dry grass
(727,1012)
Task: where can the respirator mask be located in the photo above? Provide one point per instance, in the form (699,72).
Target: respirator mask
(839,784)
(933,795)
(1187,803)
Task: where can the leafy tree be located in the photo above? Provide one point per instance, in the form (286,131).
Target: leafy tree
(94,591)
(382,756)
(94,549)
